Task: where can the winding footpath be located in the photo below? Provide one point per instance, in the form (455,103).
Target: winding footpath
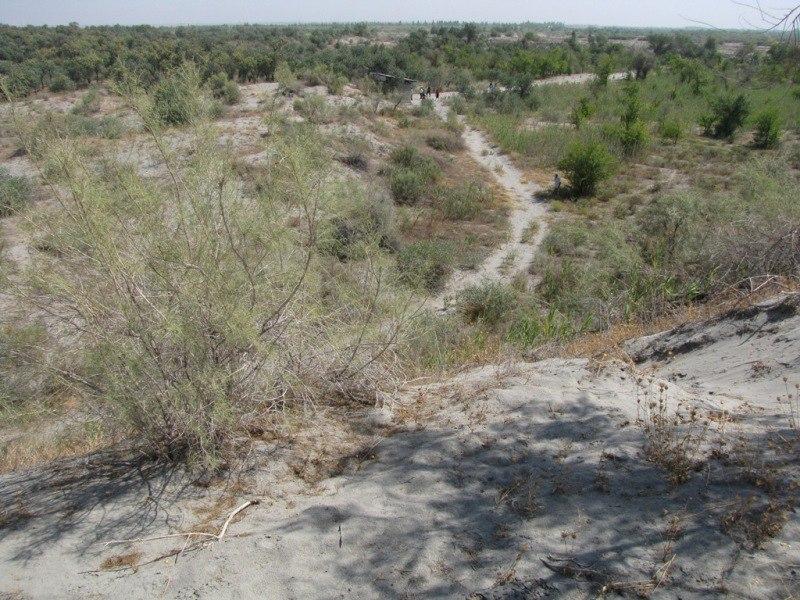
(527,210)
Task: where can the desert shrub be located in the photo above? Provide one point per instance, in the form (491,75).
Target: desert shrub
(314,108)
(726,116)
(407,185)
(587,164)
(22,381)
(321,74)
(542,146)
(177,99)
(454,125)
(565,237)
(425,264)
(61,83)
(463,201)
(670,130)
(488,302)
(458,105)
(285,78)
(88,104)
(411,174)
(15,192)
(206,310)
(366,221)
(768,130)
(423,109)
(533,327)
(582,112)
(631,135)
(445,143)
(222,88)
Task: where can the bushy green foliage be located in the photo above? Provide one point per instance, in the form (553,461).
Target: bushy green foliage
(727,114)
(286,79)
(670,129)
(408,186)
(15,192)
(444,142)
(314,108)
(582,112)
(425,264)
(61,83)
(423,109)
(224,89)
(321,74)
(206,310)
(632,135)
(463,201)
(768,130)
(411,174)
(489,303)
(88,104)
(586,165)
(178,99)
(364,222)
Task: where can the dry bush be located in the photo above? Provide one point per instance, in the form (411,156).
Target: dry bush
(751,522)
(198,310)
(673,439)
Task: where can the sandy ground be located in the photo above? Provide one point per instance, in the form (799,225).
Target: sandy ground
(515,481)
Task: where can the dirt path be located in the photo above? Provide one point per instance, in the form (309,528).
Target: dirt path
(527,210)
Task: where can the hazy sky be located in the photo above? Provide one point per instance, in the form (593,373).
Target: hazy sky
(656,13)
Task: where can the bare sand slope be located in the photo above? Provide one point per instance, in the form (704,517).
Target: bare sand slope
(518,481)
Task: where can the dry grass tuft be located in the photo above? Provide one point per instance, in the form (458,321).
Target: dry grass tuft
(129,560)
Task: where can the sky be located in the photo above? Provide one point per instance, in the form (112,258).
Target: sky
(648,13)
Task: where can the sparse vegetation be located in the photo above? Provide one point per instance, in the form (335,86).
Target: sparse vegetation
(15,192)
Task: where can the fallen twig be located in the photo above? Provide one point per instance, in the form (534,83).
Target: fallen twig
(189,534)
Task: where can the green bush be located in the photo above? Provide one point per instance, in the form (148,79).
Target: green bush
(768,130)
(458,105)
(88,104)
(186,374)
(582,111)
(224,89)
(61,83)
(445,143)
(365,222)
(587,164)
(15,192)
(462,202)
(314,108)
(177,99)
(425,264)
(423,109)
(531,328)
(670,130)
(407,185)
(727,115)
(285,78)
(488,302)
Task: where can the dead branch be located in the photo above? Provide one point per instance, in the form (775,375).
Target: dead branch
(190,534)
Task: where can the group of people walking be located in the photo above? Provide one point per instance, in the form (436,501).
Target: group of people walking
(424,93)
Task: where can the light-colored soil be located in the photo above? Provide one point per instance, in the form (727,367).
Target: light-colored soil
(517,481)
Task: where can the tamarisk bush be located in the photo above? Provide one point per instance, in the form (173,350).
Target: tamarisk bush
(201,311)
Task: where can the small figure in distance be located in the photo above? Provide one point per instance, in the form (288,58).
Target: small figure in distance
(429,90)
(556,183)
